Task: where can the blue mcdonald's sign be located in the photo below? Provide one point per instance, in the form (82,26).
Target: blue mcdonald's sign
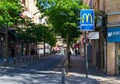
(87,20)
(113,34)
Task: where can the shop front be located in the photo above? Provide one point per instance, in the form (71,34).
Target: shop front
(113,51)
(99,45)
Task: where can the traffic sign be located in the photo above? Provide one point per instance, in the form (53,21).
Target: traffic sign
(87,20)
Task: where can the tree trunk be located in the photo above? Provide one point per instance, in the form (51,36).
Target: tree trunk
(22,48)
(27,49)
(68,51)
(44,47)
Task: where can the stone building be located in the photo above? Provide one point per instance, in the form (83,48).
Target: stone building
(98,45)
(106,50)
(113,36)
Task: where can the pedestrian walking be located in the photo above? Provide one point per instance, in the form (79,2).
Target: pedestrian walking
(76,52)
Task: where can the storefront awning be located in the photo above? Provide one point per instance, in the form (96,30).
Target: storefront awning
(76,45)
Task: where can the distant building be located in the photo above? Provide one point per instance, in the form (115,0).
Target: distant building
(31,10)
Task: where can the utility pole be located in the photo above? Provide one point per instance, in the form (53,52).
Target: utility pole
(86,24)
(86,58)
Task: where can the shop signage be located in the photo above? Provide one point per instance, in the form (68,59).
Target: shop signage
(113,34)
(93,35)
(87,20)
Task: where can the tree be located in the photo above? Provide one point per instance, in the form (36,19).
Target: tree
(64,16)
(9,11)
(36,33)
(46,34)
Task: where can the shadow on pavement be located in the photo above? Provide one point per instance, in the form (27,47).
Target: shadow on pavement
(81,80)
(78,66)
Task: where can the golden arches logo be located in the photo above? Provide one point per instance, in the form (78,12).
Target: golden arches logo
(88,16)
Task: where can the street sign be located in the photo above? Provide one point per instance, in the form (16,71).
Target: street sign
(87,20)
(93,35)
(86,24)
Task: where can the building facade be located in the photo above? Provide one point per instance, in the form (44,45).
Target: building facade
(113,42)
(99,45)
(106,50)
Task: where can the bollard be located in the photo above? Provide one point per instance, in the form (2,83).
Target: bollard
(14,60)
(29,58)
(26,58)
(23,59)
(63,76)
(6,62)
(32,58)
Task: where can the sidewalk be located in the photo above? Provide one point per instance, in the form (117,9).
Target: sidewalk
(77,74)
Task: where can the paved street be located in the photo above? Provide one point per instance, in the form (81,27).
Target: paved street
(42,71)
(47,70)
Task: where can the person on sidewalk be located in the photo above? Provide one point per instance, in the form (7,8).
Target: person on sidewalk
(76,53)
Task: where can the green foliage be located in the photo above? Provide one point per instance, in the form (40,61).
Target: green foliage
(9,12)
(43,33)
(36,33)
(63,15)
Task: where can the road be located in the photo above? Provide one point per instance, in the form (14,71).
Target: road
(42,71)
(47,70)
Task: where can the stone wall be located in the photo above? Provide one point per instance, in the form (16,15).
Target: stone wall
(113,13)
(113,6)
(111,58)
